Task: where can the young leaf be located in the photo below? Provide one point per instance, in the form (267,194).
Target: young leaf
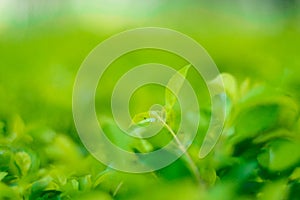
(23,161)
(142,119)
(174,85)
(230,85)
(2,175)
(225,82)
(145,118)
(85,183)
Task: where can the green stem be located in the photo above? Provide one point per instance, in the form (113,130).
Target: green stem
(189,160)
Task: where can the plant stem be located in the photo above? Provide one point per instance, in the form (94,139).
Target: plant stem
(117,189)
(189,160)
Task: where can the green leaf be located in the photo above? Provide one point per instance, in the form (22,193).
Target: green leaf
(255,120)
(229,85)
(208,174)
(280,155)
(5,158)
(276,134)
(2,175)
(146,118)
(143,119)
(101,177)
(18,126)
(296,174)
(274,191)
(40,185)
(85,183)
(49,195)
(116,135)
(7,192)
(44,189)
(74,184)
(142,146)
(63,149)
(174,85)
(23,161)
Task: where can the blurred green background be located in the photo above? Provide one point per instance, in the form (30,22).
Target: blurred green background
(42,45)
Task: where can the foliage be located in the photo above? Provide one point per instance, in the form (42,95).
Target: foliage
(258,151)
(257,156)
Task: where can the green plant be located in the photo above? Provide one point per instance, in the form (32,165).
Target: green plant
(258,151)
